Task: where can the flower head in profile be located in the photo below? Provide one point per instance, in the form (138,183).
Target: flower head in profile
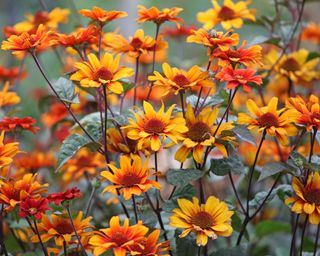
(60,197)
(7,151)
(106,71)
(308,113)
(27,42)
(239,77)
(35,160)
(12,73)
(131,178)
(229,15)
(307,197)
(118,238)
(274,122)
(211,219)
(26,123)
(60,229)
(155,127)
(8,98)
(311,33)
(178,32)
(102,16)
(213,39)
(159,16)
(33,207)
(179,80)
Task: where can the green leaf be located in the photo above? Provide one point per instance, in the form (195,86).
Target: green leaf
(233,251)
(298,159)
(265,40)
(269,227)
(218,98)
(185,246)
(72,145)
(272,169)
(65,90)
(313,55)
(186,192)
(182,177)
(223,166)
(244,134)
(126,84)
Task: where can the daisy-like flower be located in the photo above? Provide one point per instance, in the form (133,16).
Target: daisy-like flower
(60,229)
(102,16)
(7,151)
(8,98)
(159,16)
(214,39)
(308,113)
(106,71)
(307,197)
(150,246)
(275,122)
(180,32)
(311,33)
(27,42)
(60,197)
(134,47)
(154,127)
(118,238)
(211,219)
(178,80)
(10,74)
(229,15)
(131,178)
(239,77)
(33,207)
(200,134)
(13,191)
(25,123)
(240,55)
(49,19)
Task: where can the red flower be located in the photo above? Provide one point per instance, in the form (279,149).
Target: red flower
(9,74)
(26,123)
(60,197)
(239,77)
(33,207)
(179,32)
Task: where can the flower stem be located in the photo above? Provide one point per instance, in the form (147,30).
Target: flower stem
(136,81)
(182,104)
(236,193)
(39,237)
(293,240)
(75,230)
(65,248)
(3,246)
(302,234)
(135,208)
(156,170)
(316,242)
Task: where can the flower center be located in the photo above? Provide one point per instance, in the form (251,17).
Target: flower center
(233,54)
(226,13)
(154,126)
(40,17)
(199,132)
(64,227)
(181,80)
(33,210)
(291,65)
(130,179)
(268,120)
(103,73)
(119,238)
(136,43)
(312,196)
(202,219)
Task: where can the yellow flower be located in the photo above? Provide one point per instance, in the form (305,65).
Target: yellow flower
(7,151)
(179,80)
(211,219)
(132,178)
(307,197)
(229,15)
(8,98)
(154,127)
(106,71)
(275,122)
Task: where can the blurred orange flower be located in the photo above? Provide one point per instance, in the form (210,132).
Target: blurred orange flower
(56,113)
(311,33)
(34,161)
(7,151)
(8,98)
(16,123)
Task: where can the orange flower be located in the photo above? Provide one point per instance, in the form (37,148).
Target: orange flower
(132,178)
(308,113)
(118,238)
(157,16)
(178,32)
(240,55)
(16,123)
(34,161)
(7,151)
(12,191)
(311,33)
(8,98)
(105,71)
(10,74)
(239,77)
(27,42)
(102,16)
(56,113)
(214,39)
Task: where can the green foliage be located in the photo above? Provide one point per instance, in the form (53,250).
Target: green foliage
(182,177)
(271,169)
(186,192)
(242,133)
(185,246)
(269,227)
(65,90)
(230,251)
(223,166)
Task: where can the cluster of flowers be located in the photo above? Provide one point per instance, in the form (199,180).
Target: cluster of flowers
(198,128)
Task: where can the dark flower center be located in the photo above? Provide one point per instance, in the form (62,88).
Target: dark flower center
(226,13)
(103,73)
(199,132)
(181,80)
(203,220)
(119,238)
(233,54)
(291,65)
(136,43)
(64,227)
(130,179)
(312,196)
(41,17)
(268,120)
(154,126)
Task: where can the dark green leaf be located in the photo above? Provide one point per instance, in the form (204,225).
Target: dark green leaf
(186,192)
(233,251)
(313,55)
(127,85)
(272,169)
(185,246)
(269,227)
(65,90)
(298,159)
(182,177)
(244,134)
(223,166)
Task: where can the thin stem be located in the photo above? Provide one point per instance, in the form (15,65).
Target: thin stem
(202,196)
(100,40)
(199,251)
(3,246)
(182,104)
(293,240)
(303,232)
(135,208)
(75,230)
(88,208)
(172,192)
(65,248)
(316,241)
(235,192)
(156,170)
(136,81)
(105,119)
(39,237)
